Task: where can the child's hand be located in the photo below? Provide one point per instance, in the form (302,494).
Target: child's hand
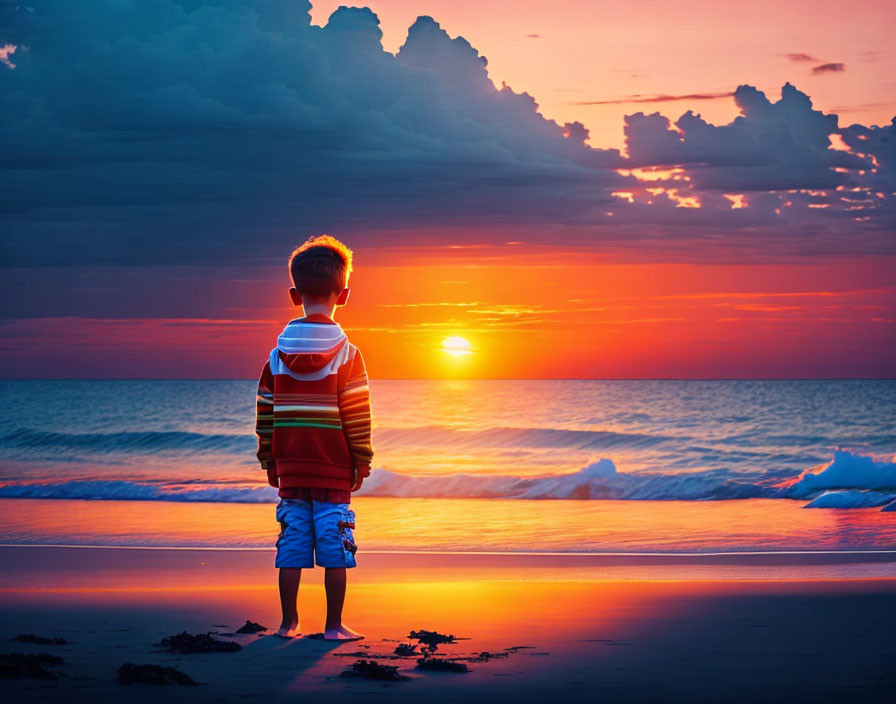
(357,484)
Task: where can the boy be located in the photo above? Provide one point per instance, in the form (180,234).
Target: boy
(313,427)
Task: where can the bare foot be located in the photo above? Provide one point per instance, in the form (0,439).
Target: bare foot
(343,633)
(288,630)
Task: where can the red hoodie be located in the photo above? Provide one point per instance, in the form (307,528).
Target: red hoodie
(313,410)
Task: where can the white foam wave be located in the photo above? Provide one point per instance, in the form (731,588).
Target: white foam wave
(848,481)
(847,470)
(851,498)
(599,480)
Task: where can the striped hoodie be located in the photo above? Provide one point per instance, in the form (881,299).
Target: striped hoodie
(313,409)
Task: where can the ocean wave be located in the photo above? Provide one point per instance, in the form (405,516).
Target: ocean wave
(848,481)
(497,438)
(513,437)
(847,470)
(852,498)
(599,480)
(128,442)
(118,490)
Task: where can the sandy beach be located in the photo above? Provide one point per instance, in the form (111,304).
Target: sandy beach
(555,627)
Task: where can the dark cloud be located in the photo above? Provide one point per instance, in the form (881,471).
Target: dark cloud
(800,57)
(829,68)
(780,146)
(661,98)
(576,131)
(221,131)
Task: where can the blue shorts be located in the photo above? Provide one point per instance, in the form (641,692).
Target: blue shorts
(314,529)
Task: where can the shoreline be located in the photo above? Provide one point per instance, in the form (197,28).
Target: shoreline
(495,553)
(470,526)
(518,553)
(84,568)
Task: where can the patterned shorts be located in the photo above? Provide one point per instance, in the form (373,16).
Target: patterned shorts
(315,531)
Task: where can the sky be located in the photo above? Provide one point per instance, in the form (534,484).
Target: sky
(580,190)
(598,61)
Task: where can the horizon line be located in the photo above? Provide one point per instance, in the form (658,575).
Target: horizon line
(633,378)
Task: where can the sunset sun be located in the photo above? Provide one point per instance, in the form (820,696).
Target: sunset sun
(457,346)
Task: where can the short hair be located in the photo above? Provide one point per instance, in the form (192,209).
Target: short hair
(320,266)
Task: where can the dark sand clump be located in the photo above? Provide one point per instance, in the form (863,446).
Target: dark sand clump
(200,643)
(431,639)
(129,673)
(14,666)
(485,656)
(441,665)
(251,627)
(406,650)
(39,640)
(370,670)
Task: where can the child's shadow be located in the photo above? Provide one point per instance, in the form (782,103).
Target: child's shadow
(294,655)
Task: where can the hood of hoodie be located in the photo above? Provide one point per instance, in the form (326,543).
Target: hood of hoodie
(309,344)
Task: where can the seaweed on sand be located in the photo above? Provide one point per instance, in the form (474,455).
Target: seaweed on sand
(39,640)
(430,642)
(406,650)
(200,643)
(15,666)
(431,639)
(251,627)
(432,664)
(129,673)
(371,670)
(485,656)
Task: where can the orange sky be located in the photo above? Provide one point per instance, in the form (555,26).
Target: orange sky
(617,51)
(527,316)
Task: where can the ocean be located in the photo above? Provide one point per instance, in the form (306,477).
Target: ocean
(505,466)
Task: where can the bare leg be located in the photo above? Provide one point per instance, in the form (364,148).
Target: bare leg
(334,582)
(289,592)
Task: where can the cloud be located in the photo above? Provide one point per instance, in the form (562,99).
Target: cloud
(781,146)
(829,68)
(826,67)
(662,98)
(132,124)
(799,57)
(214,132)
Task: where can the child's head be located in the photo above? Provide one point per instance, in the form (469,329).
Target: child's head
(320,269)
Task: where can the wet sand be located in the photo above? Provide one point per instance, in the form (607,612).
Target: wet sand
(589,631)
